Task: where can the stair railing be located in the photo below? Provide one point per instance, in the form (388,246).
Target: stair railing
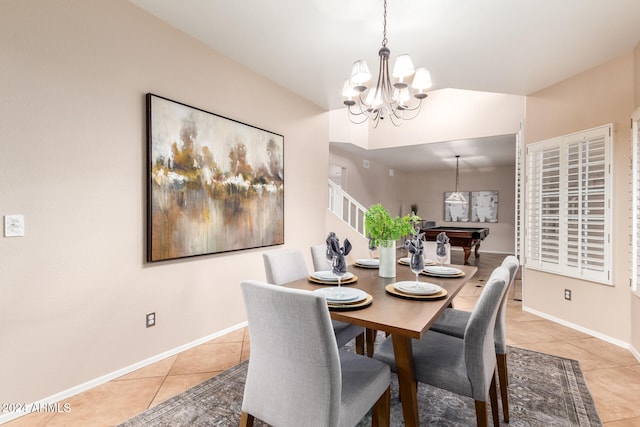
(346,207)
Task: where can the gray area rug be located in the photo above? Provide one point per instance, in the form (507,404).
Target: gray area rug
(544,390)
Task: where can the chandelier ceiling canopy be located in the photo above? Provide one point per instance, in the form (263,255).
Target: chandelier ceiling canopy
(397,96)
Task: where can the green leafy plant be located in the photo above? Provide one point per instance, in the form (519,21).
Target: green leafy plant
(381,227)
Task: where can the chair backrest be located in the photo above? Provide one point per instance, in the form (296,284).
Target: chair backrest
(319,257)
(284,265)
(294,370)
(512,264)
(480,355)
(429,251)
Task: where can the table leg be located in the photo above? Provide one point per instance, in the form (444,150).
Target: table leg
(406,379)
(477,249)
(467,252)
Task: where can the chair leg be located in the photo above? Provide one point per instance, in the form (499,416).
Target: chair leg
(370,338)
(481,414)
(360,344)
(246,420)
(493,395)
(382,410)
(504,382)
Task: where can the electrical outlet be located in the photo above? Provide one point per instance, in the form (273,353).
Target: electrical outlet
(151,319)
(567,294)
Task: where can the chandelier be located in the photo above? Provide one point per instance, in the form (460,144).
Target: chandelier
(386,99)
(456,197)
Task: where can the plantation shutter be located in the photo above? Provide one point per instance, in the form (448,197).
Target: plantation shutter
(586,205)
(568,191)
(543,226)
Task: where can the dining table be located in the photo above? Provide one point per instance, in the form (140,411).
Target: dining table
(401,316)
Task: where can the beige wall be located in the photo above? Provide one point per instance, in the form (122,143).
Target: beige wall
(75,289)
(635,299)
(397,193)
(604,94)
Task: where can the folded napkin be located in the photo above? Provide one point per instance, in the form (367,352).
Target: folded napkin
(339,265)
(441,240)
(415,248)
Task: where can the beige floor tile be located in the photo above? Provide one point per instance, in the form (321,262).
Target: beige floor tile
(176,384)
(617,355)
(207,358)
(109,404)
(588,360)
(623,381)
(610,406)
(235,336)
(158,369)
(630,422)
(37,419)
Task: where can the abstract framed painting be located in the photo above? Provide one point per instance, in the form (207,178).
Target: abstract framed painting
(214,184)
(484,206)
(456,212)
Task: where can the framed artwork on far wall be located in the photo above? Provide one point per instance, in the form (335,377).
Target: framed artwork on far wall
(456,212)
(213,184)
(484,206)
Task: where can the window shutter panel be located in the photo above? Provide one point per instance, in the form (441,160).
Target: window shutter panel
(568,191)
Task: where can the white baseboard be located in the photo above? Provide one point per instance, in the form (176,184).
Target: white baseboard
(51,400)
(587,331)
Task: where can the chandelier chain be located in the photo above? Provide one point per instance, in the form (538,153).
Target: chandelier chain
(384,25)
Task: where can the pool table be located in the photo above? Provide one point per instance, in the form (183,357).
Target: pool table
(467,237)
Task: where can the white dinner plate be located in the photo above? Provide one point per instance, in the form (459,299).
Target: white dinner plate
(368,261)
(419,288)
(328,276)
(443,271)
(333,294)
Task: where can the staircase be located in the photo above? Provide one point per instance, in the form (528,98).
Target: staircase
(346,208)
(345,217)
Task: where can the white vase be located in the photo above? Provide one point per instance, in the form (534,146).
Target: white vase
(387,259)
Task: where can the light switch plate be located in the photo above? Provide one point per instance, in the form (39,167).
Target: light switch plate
(13,225)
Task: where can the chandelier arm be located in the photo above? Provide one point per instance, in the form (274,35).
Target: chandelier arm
(355,122)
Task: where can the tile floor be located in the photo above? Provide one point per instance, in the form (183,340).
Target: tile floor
(612,373)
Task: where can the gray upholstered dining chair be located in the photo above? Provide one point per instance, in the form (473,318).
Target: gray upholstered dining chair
(297,375)
(286,265)
(454,322)
(319,257)
(467,365)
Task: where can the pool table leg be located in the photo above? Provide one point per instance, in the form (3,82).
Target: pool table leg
(467,252)
(477,249)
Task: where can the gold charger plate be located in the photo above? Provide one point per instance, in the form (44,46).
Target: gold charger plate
(443,276)
(351,305)
(393,291)
(350,281)
(427,263)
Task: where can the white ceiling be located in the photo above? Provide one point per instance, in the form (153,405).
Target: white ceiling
(505,46)
(478,154)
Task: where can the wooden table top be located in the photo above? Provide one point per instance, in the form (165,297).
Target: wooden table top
(409,318)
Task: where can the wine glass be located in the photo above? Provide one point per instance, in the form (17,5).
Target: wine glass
(417,265)
(338,272)
(441,254)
